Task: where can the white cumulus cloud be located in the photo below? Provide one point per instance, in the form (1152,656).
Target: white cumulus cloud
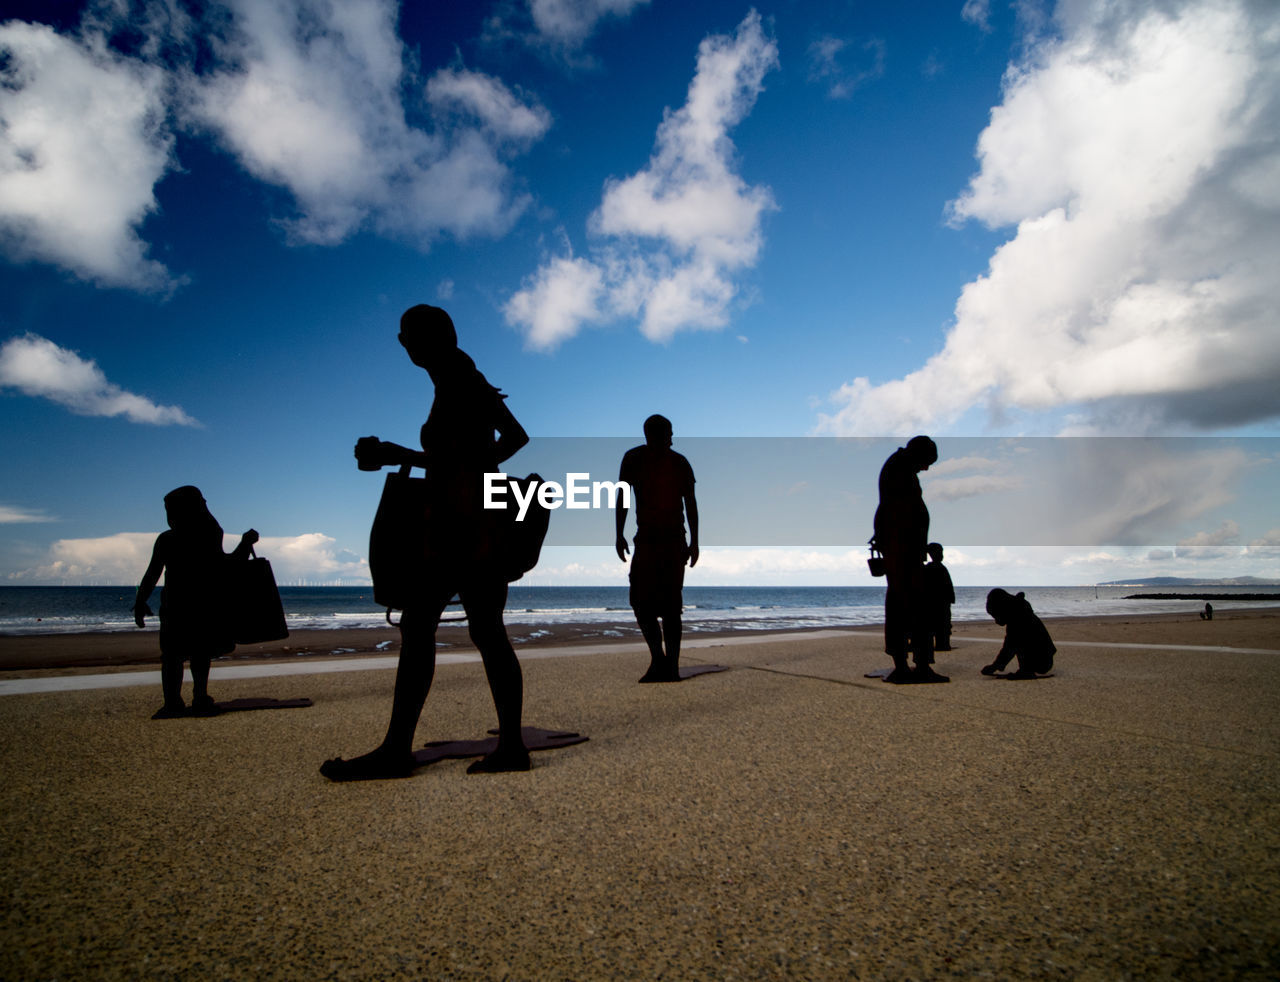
(83,141)
(109,560)
(35,366)
(972,486)
(314,97)
(570,22)
(1217,543)
(560,28)
(673,236)
(1135,155)
(486,99)
(563,294)
(308,98)
(977,13)
(310,557)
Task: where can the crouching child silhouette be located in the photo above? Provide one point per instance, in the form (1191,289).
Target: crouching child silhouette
(1025,637)
(195,618)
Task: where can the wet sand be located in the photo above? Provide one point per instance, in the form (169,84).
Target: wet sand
(788,818)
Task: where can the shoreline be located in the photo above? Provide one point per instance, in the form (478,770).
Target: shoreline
(71,652)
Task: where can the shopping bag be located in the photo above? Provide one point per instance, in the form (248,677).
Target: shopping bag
(875,562)
(397,541)
(256,611)
(523,541)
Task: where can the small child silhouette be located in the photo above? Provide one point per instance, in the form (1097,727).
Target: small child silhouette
(939,594)
(1025,636)
(193,608)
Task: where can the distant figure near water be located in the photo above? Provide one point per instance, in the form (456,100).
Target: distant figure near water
(1025,637)
(940,594)
(1207,613)
(195,620)
(662,482)
(901,534)
(462,551)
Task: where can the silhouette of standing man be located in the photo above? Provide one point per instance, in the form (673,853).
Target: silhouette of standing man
(662,482)
(902,535)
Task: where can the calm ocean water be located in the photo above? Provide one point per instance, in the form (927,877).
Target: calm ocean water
(54,610)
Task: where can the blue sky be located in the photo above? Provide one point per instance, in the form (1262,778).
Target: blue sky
(972,219)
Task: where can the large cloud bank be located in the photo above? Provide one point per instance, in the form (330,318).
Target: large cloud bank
(1136,155)
(313,97)
(673,236)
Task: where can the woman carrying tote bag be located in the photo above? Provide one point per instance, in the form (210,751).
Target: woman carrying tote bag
(458,545)
(197,622)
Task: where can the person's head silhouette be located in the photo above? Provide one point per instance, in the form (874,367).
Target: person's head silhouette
(187,511)
(935,551)
(922,451)
(427,334)
(1004,606)
(657,431)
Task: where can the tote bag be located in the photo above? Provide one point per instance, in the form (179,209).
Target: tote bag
(257,614)
(398,541)
(523,540)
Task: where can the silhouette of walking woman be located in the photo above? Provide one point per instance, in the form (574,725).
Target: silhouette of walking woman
(462,553)
(195,622)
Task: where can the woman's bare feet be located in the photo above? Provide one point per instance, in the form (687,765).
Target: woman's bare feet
(502,760)
(377,765)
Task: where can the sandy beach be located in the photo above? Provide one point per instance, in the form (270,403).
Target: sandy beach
(788,818)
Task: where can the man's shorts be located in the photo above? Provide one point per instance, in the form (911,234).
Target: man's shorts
(657,576)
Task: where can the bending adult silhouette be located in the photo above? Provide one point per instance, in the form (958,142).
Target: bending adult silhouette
(661,482)
(902,534)
(195,621)
(462,553)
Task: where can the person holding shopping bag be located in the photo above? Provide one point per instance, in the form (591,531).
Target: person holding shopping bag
(197,623)
(458,548)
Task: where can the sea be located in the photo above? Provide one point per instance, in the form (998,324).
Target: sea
(28,610)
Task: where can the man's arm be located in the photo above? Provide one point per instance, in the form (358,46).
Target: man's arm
(620,525)
(691,513)
(620,512)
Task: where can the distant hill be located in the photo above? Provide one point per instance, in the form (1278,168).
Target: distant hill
(1187,581)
